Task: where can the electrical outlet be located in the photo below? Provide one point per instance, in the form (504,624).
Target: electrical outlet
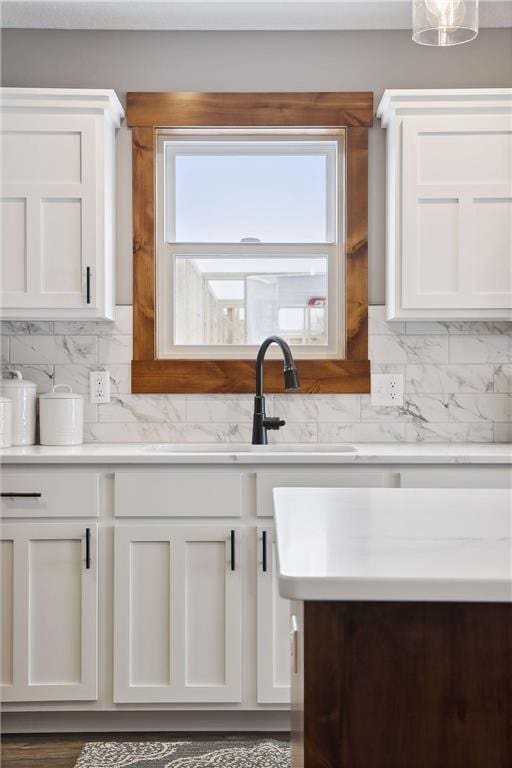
(99,382)
(387,389)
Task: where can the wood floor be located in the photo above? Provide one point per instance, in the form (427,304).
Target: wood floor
(62,750)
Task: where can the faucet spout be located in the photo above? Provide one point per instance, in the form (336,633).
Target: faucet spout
(261,422)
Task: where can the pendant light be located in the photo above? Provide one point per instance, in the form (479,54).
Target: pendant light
(444,22)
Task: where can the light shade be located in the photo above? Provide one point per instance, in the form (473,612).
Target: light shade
(444,22)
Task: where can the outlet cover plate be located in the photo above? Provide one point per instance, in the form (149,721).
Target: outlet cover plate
(387,389)
(99,386)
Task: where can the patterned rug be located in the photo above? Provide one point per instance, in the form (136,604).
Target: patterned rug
(228,753)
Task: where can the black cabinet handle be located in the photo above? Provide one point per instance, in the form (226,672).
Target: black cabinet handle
(88,284)
(233,550)
(87,548)
(16,495)
(264,551)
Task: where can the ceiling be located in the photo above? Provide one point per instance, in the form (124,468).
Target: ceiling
(227,14)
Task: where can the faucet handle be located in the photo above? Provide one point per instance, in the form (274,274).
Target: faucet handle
(273,422)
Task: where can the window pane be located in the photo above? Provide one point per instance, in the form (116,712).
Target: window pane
(242,300)
(267,194)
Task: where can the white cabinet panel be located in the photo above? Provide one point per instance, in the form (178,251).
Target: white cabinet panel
(177,614)
(13,244)
(50,604)
(273,626)
(6,610)
(175,493)
(57,199)
(62,260)
(449,204)
(269,479)
(49,494)
(42,157)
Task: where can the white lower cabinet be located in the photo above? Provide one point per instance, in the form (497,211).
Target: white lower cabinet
(49,609)
(178,621)
(273,622)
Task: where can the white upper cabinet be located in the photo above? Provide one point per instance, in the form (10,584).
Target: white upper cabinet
(449,204)
(57,203)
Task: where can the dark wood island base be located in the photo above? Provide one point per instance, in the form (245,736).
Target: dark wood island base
(402,685)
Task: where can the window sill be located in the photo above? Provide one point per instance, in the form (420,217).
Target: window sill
(238,376)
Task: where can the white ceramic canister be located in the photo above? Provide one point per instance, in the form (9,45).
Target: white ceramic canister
(61,417)
(5,422)
(22,394)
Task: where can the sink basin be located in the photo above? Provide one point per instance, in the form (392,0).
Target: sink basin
(245,448)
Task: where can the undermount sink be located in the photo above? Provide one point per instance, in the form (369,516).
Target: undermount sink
(245,448)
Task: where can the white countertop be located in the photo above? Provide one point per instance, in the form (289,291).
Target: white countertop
(449,545)
(223,453)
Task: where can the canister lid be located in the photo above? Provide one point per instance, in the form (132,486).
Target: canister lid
(16,382)
(61,392)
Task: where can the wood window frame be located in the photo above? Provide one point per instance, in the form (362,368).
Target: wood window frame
(149,112)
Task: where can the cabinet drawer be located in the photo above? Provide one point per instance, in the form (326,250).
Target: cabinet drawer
(178,494)
(46,494)
(267,480)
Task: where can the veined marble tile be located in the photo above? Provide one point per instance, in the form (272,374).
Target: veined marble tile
(90,412)
(378,325)
(77,376)
(449,378)
(294,432)
(474,408)
(458,327)
(408,349)
(426,327)
(121,326)
(503,433)
(488,328)
(449,433)
(41,375)
(114,349)
(503,379)
(361,433)
(144,408)
(223,408)
(26,327)
(4,349)
(53,349)
(421,408)
(481,349)
(304,408)
(167,433)
(388,368)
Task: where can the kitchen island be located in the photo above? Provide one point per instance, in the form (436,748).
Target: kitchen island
(401,625)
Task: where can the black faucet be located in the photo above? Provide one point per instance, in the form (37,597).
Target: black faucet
(261,422)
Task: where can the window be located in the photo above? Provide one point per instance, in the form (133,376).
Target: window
(250,214)
(250,243)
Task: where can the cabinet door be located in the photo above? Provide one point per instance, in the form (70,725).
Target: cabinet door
(457,213)
(49,208)
(49,606)
(273,655)
(177,614)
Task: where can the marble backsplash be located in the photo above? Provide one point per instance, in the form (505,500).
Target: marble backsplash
(457,376)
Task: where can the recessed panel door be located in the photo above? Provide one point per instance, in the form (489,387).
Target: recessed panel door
(49,612)
(177,614)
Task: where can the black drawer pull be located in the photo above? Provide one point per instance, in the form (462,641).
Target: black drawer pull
(87,548)
(16,495)
(233,564)
(88,284)
(264,551)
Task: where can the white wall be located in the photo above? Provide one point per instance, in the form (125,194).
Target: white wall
(259,61)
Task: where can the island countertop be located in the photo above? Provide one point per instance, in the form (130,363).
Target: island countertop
(394,544)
